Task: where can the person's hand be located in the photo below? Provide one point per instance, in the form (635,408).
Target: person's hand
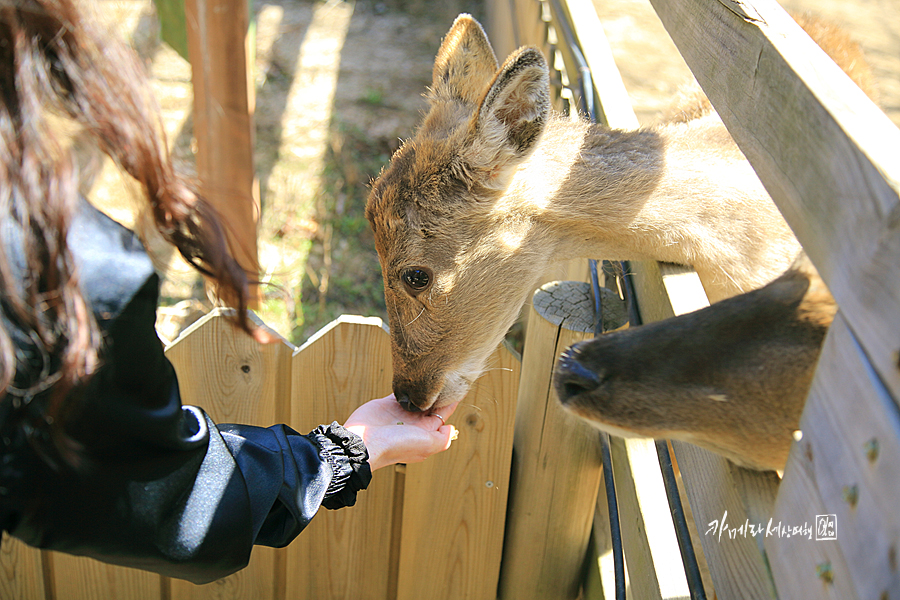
(393,435)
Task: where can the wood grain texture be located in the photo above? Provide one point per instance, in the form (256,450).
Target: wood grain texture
(79,578)
(846,465)
(648,534)
(344,553)
(829,159)
(724,498)
(235,380)
(231,376)
(454,505)
(600,581)
(21,570)
(824,151)
(555,478)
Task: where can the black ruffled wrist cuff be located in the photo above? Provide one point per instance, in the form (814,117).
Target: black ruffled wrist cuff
(349,460)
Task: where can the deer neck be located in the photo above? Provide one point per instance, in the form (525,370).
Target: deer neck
(671,194)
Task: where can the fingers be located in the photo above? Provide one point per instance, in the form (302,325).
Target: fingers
(438,441)
(450,434)
(445,411)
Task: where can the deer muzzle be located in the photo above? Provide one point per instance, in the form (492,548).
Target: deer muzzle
(572,378)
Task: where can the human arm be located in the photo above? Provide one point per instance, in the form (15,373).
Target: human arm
(160,486)
(157,485)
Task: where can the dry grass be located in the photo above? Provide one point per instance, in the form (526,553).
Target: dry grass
(338,86)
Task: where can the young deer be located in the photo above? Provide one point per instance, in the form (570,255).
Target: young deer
(494,188)
(732,377)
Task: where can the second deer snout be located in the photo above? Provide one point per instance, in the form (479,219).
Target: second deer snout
(573,378)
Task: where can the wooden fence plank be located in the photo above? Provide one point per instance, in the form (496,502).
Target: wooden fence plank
(724,498)
(21,570)
(799,565)
(555,474)
(79,578)
(454,507)
(600,581)
(608,85)
(236,380)
(714,486)
(829,159)
(530,27)
(847,465)
(219,45)
(501,26)
(223,370)
(648,534)
(824,151)
(345,553)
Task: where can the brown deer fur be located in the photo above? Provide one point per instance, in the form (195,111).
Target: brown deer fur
(495,187)
(732,377)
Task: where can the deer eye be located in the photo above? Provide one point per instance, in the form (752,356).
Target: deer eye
(416,279)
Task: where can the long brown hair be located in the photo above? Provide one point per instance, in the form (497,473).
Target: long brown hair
(56,65)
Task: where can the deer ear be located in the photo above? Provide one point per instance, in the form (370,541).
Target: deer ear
(511,117)
(464,64)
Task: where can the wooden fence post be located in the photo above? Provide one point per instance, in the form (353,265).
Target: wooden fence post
(827,155)
(842,481)
(219,46)
(556,460)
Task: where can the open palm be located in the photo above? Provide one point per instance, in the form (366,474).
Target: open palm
(393,435)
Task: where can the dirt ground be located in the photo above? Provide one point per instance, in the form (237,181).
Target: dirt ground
(652,69)
(338,86)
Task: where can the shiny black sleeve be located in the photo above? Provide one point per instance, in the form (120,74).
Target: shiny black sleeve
(162,487)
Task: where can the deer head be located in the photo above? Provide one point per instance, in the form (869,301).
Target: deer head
(435,214)
(732,377)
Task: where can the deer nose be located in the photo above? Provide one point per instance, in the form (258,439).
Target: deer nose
(405,403)
(573,378)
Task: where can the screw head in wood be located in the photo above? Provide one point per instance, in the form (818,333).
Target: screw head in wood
(825,572)
(871,448)
(850,494)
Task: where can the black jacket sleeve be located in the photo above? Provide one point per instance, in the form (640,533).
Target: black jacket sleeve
(158,485)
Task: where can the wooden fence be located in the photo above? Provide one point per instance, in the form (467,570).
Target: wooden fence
(429,530)
(508,511)
(829,158)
